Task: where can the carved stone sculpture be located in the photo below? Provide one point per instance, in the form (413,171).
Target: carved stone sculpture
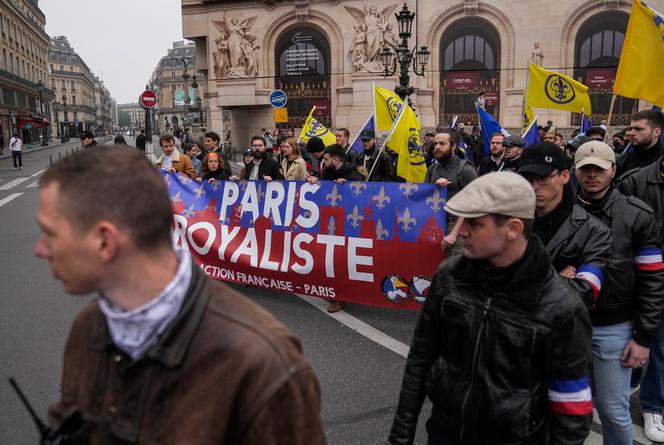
(236,55)
(372,33)
(537,56)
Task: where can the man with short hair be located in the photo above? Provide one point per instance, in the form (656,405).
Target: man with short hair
(16,147)
(336,166)
(343,139)
(579,244)
(502,344)
(644,132)
(140,140)
(263,167)
(596,133)
(626,315)
(454,173)
(377,164)
(493,163)
(172,160)
(647,184)
(88,140)
(550,135)
(164,354)
(212,142)
(514,146)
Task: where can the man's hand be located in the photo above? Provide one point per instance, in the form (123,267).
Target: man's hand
(267,178)
(171,170)
(634,355)
(341,180)
(199,180)
(442,182)
(312,179)
(234,178)
(568,272)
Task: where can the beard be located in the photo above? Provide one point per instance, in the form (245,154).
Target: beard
(444,156)
(258,154)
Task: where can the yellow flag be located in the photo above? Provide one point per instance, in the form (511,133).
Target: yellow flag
(547,89)
(641,69)
(386,106)
(313,128)
(528,117)
(405,141)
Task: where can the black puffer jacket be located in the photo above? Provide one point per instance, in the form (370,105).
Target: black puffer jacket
(347,171)
(647,184)
(485,353)
(631,291)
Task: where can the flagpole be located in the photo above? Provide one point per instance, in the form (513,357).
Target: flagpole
(358,134)
(531,125)
(404,104)
(525,96)
(608,120)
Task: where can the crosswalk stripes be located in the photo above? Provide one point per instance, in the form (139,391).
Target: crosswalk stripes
(32,185)
(9,198)
(14,183)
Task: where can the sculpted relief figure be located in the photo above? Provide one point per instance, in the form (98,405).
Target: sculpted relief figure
(236,55)
(372,32)
(538,55)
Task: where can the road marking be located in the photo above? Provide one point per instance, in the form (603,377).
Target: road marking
(14,183)
(33,185)
(38,173)
(9,198)
(402,349)
(360,327)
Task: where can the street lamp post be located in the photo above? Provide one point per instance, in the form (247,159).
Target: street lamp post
(404,56)
(40,87)
(185,76)
(65,133)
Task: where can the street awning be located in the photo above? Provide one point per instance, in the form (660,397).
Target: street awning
(28,122)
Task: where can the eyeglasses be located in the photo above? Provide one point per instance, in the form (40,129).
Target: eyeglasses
(542,180)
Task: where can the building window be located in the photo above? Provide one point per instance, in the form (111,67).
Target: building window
(63,85)
(73,100)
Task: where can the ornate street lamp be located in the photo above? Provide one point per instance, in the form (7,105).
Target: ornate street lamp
(65,133)
(40,88)
(404,56)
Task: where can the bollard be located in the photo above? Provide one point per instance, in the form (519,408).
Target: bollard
(59,155)
(50,159)
(66,152)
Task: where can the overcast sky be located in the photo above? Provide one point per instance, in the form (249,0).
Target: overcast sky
(120,40)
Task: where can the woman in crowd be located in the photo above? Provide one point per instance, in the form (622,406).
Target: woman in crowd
(247,158)
(292,164)
(193,150)
(212,168)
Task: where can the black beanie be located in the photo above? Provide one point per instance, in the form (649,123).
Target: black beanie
(315,145)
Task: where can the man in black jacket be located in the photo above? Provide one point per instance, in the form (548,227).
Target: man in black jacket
(263,167)
(643,134)
(140,140)
(647,184)
(502,345)
(579,244)
(626,315)
(495,162)
(372,155)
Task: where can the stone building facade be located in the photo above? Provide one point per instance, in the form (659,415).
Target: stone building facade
(82,102)
(136,115)
(177,106)
(326,53)
(23,68)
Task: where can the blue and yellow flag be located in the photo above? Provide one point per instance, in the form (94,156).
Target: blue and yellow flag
(641,69)
(386,108)
(528,118)
(548,89)
(313,128)
(405,141)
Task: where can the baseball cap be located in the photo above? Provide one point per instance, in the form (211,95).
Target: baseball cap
(367,135)
(461,126)
(595,153)
(247,152)
(499,193)
(315,145)
(575,143)
(542,159)
(430,133)
(514,141)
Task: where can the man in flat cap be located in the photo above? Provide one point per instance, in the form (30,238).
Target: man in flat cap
(502,345)
(514,146)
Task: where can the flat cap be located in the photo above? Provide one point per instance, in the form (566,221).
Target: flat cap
(595,153)
(514,141)
(499,193)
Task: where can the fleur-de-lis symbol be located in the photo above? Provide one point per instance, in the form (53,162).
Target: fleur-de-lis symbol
(331,227)
(199,192)
(167,179)
(176,197)
(380,232)
(216,185)
(406,220)
(243,185)
(381,198)
(188,212)
(355,218)
(334,197)
(358,187)
(185,179)
(408,188)
(436,202)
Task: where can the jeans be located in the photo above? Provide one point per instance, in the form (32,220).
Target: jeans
(612,382)
(17,156)
(652,385)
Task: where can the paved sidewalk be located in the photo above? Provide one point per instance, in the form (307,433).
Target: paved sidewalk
(70,145)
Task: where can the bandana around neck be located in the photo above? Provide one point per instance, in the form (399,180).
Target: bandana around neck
(137,330)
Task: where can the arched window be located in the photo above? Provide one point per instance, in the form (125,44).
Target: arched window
(598,46)
(302,57)
(470,62)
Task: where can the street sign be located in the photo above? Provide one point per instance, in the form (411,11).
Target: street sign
(148,99)
(280,115)
(278,99)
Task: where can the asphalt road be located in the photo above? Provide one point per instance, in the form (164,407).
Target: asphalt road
(358,356)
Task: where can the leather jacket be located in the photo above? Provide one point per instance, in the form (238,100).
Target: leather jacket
(647,184)
(224,372)
(583,242)
(487,356)
(632,290)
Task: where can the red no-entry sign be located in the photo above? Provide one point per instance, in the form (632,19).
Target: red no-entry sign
(148,99)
